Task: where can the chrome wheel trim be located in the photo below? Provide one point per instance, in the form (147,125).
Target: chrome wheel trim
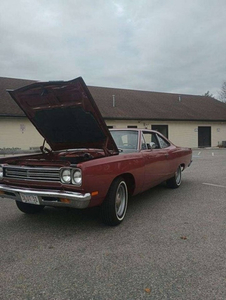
(178,176)
(121,199)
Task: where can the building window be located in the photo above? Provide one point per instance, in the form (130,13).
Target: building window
(131,126)
(110,127)
(163,129)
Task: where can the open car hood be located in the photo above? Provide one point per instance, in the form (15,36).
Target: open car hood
(65,114)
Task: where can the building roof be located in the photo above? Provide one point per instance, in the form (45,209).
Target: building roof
(135,104)
(8,106)
(132,104)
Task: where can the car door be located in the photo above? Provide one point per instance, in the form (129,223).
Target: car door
(155,159)
(169,151)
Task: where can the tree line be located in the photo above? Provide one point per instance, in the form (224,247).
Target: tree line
(221,93)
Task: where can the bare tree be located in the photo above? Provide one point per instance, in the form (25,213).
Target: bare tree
(207,94)
(222,93)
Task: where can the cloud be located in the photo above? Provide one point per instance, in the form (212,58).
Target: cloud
(172,46)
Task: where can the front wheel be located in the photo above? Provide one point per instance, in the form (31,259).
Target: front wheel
(29,208)
(175,181)
(113,209)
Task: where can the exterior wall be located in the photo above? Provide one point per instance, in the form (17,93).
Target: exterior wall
(18,133)
(180,133)
(186,133)
(218,133)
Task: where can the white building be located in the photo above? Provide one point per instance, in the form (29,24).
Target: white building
(187,120)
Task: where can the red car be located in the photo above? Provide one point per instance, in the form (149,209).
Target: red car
(85,164)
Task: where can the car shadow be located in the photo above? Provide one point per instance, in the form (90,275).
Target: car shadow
(71,219)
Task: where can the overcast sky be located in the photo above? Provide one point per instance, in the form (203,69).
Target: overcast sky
(156,45)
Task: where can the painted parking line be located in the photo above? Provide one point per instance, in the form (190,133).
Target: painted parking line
(196,155)
(199,154)
(216,185)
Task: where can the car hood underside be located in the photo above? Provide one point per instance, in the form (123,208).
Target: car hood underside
(65,114)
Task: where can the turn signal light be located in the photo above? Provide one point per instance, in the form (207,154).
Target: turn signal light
(65,200)
(94,193)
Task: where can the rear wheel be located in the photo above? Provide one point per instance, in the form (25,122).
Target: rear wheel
(175,181)
(113,209)
(29,208)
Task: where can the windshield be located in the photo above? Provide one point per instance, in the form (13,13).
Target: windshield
(126,140)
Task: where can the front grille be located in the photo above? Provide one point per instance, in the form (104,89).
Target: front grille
(32,173)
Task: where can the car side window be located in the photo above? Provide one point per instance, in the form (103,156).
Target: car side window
(150,141)
(143,143)
(163,143)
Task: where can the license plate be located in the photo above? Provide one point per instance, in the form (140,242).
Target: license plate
(32,199)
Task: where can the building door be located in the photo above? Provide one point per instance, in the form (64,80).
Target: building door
(204,136)
(163,129)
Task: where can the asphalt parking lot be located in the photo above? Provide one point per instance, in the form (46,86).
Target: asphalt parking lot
(172,245)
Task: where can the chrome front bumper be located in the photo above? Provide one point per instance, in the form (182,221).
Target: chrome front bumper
(47,197)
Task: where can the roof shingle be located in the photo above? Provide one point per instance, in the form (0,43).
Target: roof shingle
(8,106)
(135,104)
(132,104)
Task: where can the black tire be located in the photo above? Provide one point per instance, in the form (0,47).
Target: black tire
(175,181)
(114,207)
(29,208)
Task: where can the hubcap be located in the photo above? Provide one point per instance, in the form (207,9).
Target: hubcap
(178,176)
(121,200)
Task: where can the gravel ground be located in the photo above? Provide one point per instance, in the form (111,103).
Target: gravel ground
(170,246)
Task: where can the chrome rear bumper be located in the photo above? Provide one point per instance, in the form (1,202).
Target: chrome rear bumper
(47,197)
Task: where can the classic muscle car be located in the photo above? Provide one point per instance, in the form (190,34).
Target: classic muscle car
(85,164)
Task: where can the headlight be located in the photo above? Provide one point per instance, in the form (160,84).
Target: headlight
(77,177)
(1,172)
(66,176)
(73,176)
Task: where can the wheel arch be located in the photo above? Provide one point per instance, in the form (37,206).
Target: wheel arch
(182,166)
(129,180)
